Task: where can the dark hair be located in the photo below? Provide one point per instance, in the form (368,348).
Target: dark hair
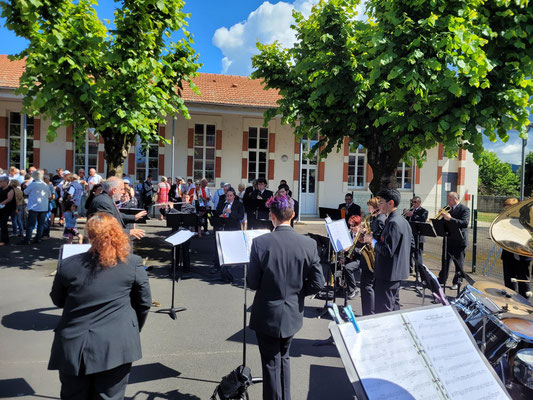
(261,180)
(284,186)
(230,189)
(68,205)
(149,176)
(349,195)
(282,206)
(390,194)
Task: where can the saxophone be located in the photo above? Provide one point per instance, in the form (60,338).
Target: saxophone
(368,251)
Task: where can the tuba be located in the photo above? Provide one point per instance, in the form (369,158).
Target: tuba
(512,229)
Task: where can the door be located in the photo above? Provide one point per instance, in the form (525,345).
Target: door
(449,184)
(309,180)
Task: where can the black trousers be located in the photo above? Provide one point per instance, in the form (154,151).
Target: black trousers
(518,269)
(276,366)
(108,385)
(416,256)
(387,295)
(457,255)
(4,234)
(349,275)
(367,291)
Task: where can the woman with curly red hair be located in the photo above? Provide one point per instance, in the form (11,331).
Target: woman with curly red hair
(105,296)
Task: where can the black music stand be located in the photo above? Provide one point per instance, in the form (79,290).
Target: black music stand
(446,230)
(177,221)
(134,211)
(420,229)
(333,213)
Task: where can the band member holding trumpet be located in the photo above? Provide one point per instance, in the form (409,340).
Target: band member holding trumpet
(419,214)
(392,252)
(349,207)
(455,251)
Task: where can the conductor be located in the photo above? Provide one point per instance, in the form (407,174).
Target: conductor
(284,268)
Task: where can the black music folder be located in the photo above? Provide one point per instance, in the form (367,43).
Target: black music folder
(447,229)
(422,229)
(333,213)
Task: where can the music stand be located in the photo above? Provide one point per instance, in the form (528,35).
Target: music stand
(420,229)
(176,240)
(446,230)
(333,213)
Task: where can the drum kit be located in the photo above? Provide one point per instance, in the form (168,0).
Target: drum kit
(500,319)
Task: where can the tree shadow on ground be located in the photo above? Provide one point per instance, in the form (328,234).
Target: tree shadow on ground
(339,387)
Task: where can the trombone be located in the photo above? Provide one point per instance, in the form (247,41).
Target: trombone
(442,212)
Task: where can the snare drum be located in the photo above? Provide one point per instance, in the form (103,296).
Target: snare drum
(499,339)
(472,306)
(523,367)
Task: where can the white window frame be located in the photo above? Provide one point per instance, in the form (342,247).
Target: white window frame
(357,154)
(198,174)
(146,148)
(23,164)
(86,166)
(257,150)
(402,167)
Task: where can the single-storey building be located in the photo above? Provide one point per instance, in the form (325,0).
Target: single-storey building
(225,140)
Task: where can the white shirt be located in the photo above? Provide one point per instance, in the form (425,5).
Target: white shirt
(38,195)
(93,180)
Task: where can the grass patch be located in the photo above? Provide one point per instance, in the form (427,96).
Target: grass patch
(486,217)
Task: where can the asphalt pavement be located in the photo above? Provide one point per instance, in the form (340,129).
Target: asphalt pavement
(183,358)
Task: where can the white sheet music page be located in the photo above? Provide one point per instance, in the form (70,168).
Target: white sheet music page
(179,237)
(453,355)
(70,250)
(233,247)
(387,360)
(251,235)
(339,235)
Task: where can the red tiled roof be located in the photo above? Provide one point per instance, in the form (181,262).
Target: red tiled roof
(231,90)
(215,88)
(10,71)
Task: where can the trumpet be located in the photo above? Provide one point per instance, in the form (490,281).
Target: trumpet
(442,212)
(405,211)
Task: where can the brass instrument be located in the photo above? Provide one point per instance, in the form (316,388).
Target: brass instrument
(405,211)
(366,251)
(442,212)
(513,229)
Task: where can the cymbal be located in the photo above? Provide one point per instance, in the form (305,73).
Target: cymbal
(503,296)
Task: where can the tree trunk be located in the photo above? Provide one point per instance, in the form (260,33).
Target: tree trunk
(384,163)
(116,147)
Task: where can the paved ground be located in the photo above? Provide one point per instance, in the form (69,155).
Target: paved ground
(182,359)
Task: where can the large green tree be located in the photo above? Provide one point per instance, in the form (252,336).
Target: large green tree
(496,177)
(417,73)
(121,79)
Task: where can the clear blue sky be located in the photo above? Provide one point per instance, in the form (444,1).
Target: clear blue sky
(225,33)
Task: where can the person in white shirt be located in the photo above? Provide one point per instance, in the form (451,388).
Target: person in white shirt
(93,178)
(38,197)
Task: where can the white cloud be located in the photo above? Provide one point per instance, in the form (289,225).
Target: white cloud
(268,23)
(510,152)
(511,149)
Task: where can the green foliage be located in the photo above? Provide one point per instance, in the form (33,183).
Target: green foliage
(122,82)
(496,177)
(528,181)
(417,73)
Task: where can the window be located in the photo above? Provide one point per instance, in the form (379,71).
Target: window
(86,152)
(146,159)
(204,153)
(356,167)
(17,145)
(257,153)
(404,175)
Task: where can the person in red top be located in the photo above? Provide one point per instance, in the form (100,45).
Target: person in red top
(163,188)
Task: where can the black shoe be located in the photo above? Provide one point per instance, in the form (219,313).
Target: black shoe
(214,270)
(23,243)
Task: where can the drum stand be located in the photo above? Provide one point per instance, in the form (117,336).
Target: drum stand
(484,343)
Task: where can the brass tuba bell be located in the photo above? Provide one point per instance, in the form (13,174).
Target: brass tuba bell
(513,229)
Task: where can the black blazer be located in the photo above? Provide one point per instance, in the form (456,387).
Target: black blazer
(233,222)
(377,225)
(393,249)
(259,204)
(104,203)
(460,216)
(419,215)
(354,209)
(103,313)
(284,268)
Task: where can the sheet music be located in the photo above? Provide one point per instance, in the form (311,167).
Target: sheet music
(232,247)
(454,357)
(179,237)
(249,236)
(69,250)
(387,360)
(339,235)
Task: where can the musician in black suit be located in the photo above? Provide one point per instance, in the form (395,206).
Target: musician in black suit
(417,214)
(349,207)
(258,199)
(248,206)
(230,211)
(284,268)
(105,296)
(392,252)
(113,189)
(456,248)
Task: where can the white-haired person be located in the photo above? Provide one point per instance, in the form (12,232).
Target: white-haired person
(38,201)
